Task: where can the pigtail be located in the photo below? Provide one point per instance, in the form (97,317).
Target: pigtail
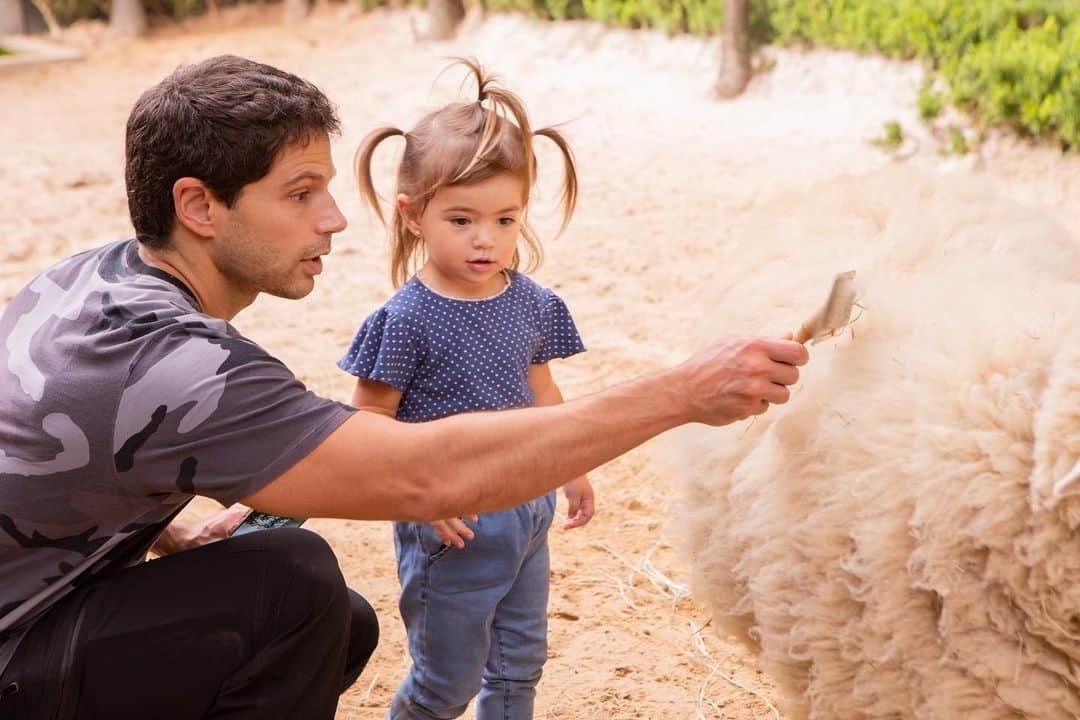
(363,166)
(504,106)
(570,179)
(403,246)
(403,243)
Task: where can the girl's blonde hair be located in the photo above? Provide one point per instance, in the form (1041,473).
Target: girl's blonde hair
(461,144)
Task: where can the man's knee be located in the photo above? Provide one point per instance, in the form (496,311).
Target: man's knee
(363,636)
(301,565)
(301,553)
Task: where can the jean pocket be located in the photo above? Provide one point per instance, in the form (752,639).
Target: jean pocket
(432,545)
(547,516)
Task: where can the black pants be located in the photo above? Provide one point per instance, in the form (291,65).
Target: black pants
(256,626)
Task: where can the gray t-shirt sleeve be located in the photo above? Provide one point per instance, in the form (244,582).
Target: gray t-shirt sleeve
(211,413)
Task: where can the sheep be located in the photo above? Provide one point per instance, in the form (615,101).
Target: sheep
(900,540)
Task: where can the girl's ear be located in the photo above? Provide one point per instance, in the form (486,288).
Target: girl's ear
(407,212)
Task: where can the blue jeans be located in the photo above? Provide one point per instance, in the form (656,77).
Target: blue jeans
(476,618)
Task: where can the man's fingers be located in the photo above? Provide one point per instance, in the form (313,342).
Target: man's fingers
(741,376)
(783,374)
(785,351)
(777,394)
(232,518)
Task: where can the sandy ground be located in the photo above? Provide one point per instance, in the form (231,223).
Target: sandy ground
(665,172)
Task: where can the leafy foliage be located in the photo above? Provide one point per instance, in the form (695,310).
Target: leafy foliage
(1008,62)
(68,11)
(892,138)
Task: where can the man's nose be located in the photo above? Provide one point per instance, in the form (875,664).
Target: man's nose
(333,221)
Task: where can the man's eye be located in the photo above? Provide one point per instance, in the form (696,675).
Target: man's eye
(300,195)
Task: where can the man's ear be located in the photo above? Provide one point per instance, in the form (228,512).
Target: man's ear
(408,214)
(194,206)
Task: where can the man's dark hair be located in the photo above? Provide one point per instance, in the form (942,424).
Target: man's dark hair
(223,121)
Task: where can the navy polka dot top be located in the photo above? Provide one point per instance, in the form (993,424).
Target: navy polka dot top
(450,356)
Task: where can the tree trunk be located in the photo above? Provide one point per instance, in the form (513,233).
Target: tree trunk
(735,67)
(11,17)
(443,18)
(296,10)
(127,19)
(47,15)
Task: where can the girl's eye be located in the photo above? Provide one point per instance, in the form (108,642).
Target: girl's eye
(507,221)
(460,221)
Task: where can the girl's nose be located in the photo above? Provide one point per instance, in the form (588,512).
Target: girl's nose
(483,238)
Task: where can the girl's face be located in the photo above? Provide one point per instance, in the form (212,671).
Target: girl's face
(470,233)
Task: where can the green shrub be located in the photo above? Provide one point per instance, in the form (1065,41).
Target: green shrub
(1012,63)
(68,11)
(893,137)
(958,144)
(930,103)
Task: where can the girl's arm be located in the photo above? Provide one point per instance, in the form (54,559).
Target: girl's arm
(579,491)
(376,397)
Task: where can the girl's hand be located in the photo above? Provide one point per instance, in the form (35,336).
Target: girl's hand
(579,494)
(454,532)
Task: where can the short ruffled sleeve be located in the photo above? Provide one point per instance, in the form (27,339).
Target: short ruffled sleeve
(559,336)
(385,349)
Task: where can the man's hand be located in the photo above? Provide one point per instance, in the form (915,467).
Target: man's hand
(178,537)
(454,531)
(582,503)
(739,377)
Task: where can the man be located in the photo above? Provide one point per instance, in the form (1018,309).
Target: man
(127,392)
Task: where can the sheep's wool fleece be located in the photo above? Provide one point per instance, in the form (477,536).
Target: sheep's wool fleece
(901,540)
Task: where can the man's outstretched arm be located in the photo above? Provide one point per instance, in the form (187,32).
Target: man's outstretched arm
(374,468)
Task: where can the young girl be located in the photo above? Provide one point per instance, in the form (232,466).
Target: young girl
(469,332)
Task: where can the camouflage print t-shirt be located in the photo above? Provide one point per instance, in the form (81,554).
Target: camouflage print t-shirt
(119,401)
